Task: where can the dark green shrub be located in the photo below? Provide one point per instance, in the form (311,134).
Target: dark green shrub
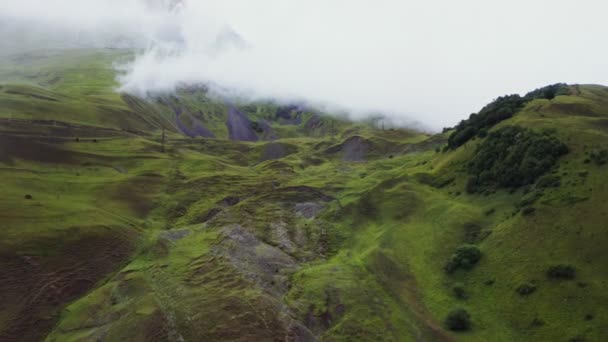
(257,127)
(537,322)
(442,182)
(514,156)
(498,110)
(527,211)
(472,232)
(465,257)
(459,291)
(561,272)
(471,186)
(460,137)
(599,157)
(564,90)
(526,289)
(549,92)
(458,320)
(425,178)
(436,181)
(529,199)
(366,206)
(549,181)
(28,197)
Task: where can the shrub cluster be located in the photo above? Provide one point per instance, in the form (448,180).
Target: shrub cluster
(500,109)
(599,157)
(436,181)
(459,291)
(537,322)
(529,199)
(465,257)
(458,320)
(257,127)
(527,211)
(549,92)
(514,156)
(549,181)
(561,272)
(365,207)
(526,289)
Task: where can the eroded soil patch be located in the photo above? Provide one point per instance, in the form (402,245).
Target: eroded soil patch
(34,287)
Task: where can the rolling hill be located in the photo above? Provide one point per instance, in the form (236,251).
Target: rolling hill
(187,217)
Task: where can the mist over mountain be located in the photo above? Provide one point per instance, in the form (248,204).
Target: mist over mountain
(275,170)
(365,57)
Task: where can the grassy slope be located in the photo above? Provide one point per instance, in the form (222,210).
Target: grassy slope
(568,228)
(367,267)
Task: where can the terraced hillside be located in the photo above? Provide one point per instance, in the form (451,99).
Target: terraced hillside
(258,222)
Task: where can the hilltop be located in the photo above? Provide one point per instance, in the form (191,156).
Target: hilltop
(189,217)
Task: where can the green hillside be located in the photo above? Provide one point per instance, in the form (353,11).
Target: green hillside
(259,222)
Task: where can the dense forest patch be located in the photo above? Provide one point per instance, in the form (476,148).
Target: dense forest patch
(514,156)
(498,110)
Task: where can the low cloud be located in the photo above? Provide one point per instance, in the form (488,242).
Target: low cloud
(431,62)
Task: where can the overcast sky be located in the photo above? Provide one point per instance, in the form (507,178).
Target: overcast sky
(431,61)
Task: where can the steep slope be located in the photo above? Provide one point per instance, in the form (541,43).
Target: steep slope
(334,230)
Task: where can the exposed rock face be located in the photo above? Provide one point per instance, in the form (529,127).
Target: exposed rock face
(313,123)
(239,126)
(175,235)
(308,209)
(196,129)
(275,151)
(289,115)
(267,131)
(353,149)
(265,265)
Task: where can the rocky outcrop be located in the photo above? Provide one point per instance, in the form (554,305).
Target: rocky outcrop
(353,149)
(239,126)
(196,127)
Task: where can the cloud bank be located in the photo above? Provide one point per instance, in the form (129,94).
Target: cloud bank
(432,62)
